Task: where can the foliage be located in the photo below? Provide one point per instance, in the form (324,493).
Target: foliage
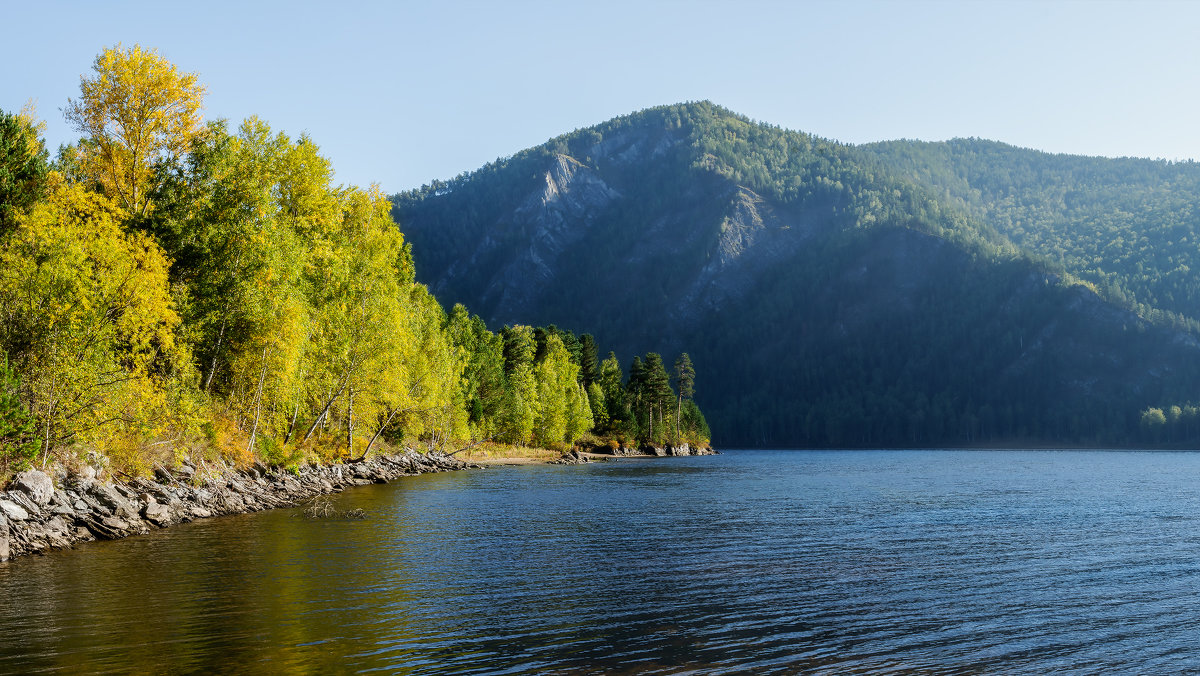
(19,443)
(175,289)
(23,167)
(87,317)
(1127,226)
(137,109)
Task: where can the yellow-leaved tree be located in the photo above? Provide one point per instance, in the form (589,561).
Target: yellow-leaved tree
(85,311)
(137,109)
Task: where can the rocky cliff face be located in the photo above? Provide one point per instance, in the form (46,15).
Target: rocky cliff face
(549,222)
(753,236)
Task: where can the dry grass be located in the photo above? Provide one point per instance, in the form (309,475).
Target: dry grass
(494,452)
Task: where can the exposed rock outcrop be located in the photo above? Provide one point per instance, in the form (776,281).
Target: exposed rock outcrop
(649,450)
(36,484)
(571,457)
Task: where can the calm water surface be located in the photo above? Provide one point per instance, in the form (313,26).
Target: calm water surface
(835,562)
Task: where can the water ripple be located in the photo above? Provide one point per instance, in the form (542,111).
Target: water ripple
(765,562)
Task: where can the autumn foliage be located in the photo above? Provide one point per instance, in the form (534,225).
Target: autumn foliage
(171,288)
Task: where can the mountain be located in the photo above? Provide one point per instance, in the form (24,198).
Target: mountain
(1128,226)
(895,294)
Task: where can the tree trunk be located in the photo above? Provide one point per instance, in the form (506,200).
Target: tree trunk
(380,431)
(350,422)
(650,422)
(216,353)
(262,375)
(324,411)
(678,412)
(292,425)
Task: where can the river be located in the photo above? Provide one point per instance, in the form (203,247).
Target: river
(937,561)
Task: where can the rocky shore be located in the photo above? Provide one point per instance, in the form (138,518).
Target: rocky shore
(574,457)
(662,451)
(39,512)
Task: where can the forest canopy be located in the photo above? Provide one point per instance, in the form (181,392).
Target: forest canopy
(172,288)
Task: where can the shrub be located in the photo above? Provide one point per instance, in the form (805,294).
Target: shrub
(19,443)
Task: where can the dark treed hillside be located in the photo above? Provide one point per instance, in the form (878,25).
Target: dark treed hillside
(832,295)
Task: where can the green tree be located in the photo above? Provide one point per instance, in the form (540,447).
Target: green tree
(685,379)
(615,400)
(23,167)
(589,362)
(521,403)
(557,388)
(598,406)
(19,443)
(656,395)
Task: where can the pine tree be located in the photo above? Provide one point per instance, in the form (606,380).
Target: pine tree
(657,392)
(685,378)
(589,362)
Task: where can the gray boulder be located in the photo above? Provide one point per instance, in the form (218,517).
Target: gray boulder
(12,511)
(108,496)
(158,514)
(85,474)
(24,501)
(36,484)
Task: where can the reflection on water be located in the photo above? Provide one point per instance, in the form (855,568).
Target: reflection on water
(823,561)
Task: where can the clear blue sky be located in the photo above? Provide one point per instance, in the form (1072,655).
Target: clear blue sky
(400,93)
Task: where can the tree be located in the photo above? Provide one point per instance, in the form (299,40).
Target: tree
(23,167)
(635,394)
(19,443)
(685,378)
(521,387)
(555,375)
(86,315)
(137,110)
(616,405)
(595,395)
(656,393)
(483,377)
(589,362)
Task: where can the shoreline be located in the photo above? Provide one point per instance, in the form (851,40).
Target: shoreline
(40,513)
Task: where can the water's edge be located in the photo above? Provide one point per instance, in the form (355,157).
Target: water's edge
(36,517)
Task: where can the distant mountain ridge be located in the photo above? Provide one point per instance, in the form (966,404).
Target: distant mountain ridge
(895,294)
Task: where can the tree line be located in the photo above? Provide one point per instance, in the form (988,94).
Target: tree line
(173,287)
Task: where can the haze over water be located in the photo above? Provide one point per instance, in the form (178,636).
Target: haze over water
(945,561)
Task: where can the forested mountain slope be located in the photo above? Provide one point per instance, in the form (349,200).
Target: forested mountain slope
(1129,226)
(830,295)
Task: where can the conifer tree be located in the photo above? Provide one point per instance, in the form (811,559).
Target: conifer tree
(657,393)
(23,168)
(589,363)
(685,379)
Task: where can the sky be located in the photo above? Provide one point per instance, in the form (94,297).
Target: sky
(401,93)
